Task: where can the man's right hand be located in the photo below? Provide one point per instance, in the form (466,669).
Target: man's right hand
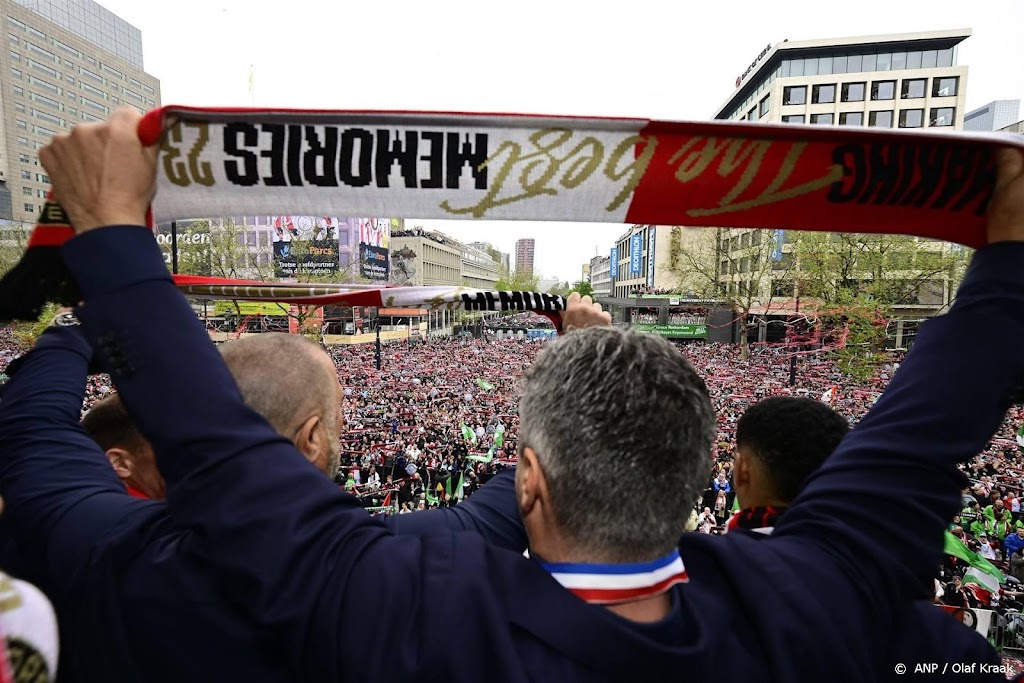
(1006,208)
(101,173)
(583,312)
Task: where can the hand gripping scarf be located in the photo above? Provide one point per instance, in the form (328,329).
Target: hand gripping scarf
(234,162)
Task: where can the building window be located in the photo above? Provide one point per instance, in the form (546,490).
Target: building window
(821,119)
(914,59)
(764,106)
(853,92)
(15,23)
(22,142)
(23,158)
(912,118)
(796,94)
(15,56)
(26,191)
(945,87)
(16,72)
(880,119)
(945,57)
(42,178)
(823,94)
(30,207)
(42,193)
(21,124)
(913,88)
(851,118)
(883,90)
(941,116)
(19,107)
(26,175)
(36,33)
(13,39)
(793,118)
(18,90)
(752,114)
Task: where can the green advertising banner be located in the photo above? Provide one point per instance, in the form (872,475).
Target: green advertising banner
(250,308)
(687,331)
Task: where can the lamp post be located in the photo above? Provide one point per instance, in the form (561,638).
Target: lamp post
(375,316)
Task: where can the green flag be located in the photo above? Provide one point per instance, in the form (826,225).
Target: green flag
(459,490)
(955,547)
(1020,438)
(448,487)
(499,439)
(431,500)
(468,433)
(483,458)
(486,386)
(735,504)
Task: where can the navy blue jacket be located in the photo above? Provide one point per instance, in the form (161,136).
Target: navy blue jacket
(134,602)
(813,602)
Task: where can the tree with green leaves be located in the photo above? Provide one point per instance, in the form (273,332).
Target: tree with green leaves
(584,288)
(517,282)
(742,272)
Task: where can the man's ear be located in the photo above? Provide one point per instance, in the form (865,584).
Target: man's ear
(531,484)
(121,461)
(309,439)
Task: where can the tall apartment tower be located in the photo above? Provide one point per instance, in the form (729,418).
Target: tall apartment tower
(524,255)
(68,61)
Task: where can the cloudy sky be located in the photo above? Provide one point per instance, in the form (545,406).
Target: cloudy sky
(643,58)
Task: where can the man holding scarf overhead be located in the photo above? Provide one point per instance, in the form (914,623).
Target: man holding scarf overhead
(604,597)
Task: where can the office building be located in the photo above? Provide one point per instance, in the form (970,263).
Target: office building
(425,257)
(600,276)
(501,257)
(524,255)
(68,61)
(479,268)
(906,80)
(993,116)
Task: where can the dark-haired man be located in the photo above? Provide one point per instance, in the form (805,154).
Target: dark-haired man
(128,452)
(780,442)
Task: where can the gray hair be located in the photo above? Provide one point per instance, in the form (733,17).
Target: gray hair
(623,428)
(280,379)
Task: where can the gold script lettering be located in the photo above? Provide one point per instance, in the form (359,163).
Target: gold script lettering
(727,157)
(635,169)
(552,160)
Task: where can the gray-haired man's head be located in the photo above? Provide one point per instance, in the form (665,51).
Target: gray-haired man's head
(615,446)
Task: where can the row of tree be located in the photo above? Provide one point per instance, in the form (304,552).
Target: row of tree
(846,281)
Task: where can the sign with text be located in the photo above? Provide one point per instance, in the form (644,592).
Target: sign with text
(636,247)
(613,263)
(678,331)
(305,246)
(932,184)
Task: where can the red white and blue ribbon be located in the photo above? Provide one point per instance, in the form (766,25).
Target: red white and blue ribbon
(610,584)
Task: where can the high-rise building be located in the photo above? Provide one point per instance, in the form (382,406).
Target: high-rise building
(993,116)
(524,255)
(904,80)
(68,61)
(907,80)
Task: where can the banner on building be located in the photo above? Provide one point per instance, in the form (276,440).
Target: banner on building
(305,246)
(613,263)
(374,248)
(677,331)
(778,238)
(652,237)
(636,247)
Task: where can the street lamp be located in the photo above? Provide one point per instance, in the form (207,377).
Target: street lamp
(375,317)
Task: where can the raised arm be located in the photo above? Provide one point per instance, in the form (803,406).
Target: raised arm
(60,493)
(879,505)
(491,512)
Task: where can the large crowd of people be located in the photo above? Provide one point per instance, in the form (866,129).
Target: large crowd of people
(261,569)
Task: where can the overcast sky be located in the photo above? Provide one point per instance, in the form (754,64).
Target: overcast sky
(645,58)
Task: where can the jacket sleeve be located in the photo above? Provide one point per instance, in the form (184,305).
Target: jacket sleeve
(294,553)
(59,491)
(492,512)
(876,511)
